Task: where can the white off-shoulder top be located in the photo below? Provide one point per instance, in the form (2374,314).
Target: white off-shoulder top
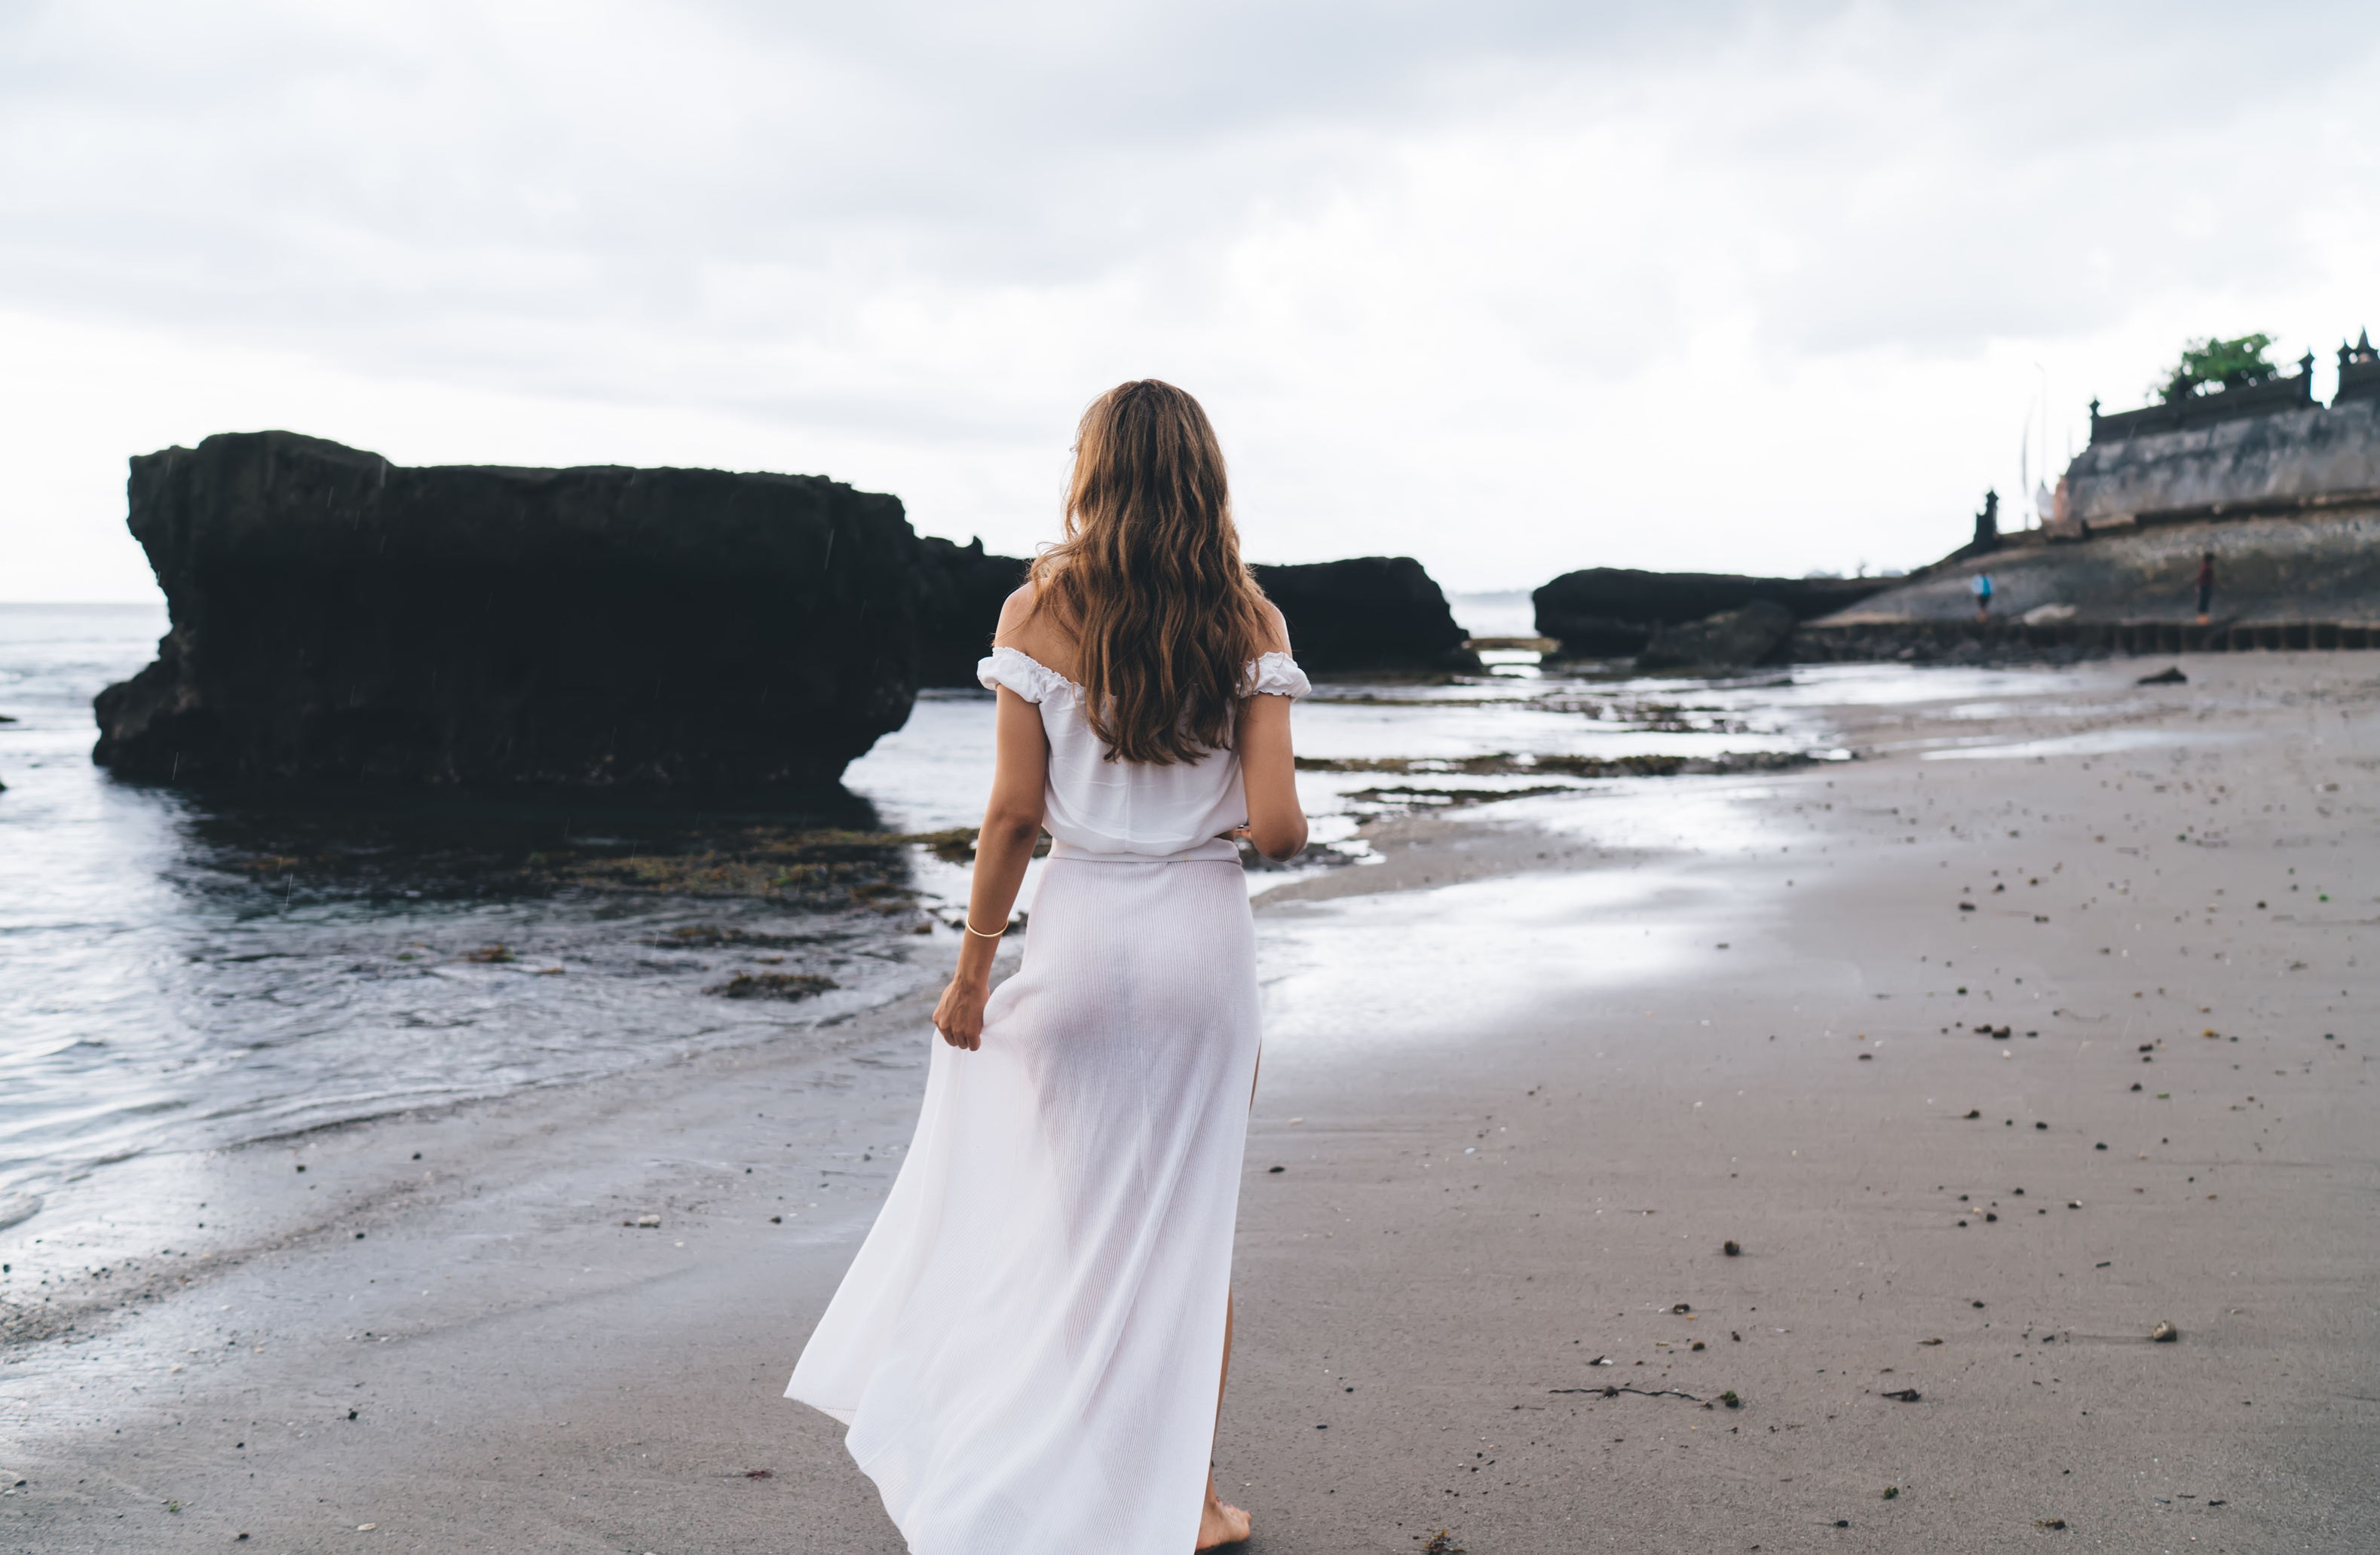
(1098,808)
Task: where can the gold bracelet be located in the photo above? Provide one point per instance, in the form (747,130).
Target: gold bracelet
(979,933)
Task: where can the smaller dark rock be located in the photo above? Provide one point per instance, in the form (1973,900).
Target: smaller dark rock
(1366,614)
(1604,610)
(2172,676)
(1269,1170)
(960,591)
(1731,1249)
(1731,640)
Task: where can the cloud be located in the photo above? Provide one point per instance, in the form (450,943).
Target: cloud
(1513,287)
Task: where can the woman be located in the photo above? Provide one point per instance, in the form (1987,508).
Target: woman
(1031,1347)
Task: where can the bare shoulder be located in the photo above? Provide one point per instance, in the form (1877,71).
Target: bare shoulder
(1015,612)
(1042,635)
(1273,629)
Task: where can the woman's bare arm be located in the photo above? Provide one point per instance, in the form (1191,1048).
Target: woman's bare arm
(1267,766)
(1012,825)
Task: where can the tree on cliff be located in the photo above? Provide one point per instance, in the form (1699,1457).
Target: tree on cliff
(2213,362)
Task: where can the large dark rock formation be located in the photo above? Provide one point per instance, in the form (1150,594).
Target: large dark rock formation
(336,617)
(1612,610)
(1366,614)
(960,591)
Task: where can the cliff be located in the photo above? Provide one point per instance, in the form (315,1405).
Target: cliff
(336,617)
(1615,611)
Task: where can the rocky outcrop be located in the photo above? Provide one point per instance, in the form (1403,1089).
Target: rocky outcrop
(336,617)
(1367,613)
(1731,640)
(1610,612)
(960,591)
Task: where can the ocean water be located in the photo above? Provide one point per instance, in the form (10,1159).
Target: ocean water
(186,971)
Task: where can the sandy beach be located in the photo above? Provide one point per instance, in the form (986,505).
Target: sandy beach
(2039,1025)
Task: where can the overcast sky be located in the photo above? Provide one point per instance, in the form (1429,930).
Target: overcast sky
(1511,287)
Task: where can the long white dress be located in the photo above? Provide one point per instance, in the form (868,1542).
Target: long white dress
(1027,1348)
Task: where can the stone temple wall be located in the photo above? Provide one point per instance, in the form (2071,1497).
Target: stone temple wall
(2310,458)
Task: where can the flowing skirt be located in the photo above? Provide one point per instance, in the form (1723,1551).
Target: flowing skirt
(1027,1346)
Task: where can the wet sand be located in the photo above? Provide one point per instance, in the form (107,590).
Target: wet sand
(1523,1079)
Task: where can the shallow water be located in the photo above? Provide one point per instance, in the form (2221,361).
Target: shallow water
(186,970)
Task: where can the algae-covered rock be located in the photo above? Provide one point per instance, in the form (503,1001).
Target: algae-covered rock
(1731,640)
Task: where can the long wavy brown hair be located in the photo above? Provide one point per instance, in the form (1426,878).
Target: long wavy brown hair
(1148,579)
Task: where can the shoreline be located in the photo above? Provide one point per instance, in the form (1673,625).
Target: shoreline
(1537,982)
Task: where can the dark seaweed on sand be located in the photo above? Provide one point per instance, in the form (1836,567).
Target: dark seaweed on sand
(1506,764)
(773,985)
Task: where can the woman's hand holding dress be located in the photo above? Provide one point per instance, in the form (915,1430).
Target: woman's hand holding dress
(959,1016)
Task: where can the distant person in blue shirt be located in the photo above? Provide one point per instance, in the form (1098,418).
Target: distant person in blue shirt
(1983,588)
(2205,585)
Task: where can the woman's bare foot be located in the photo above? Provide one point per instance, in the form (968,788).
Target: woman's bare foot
(1220,1522)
